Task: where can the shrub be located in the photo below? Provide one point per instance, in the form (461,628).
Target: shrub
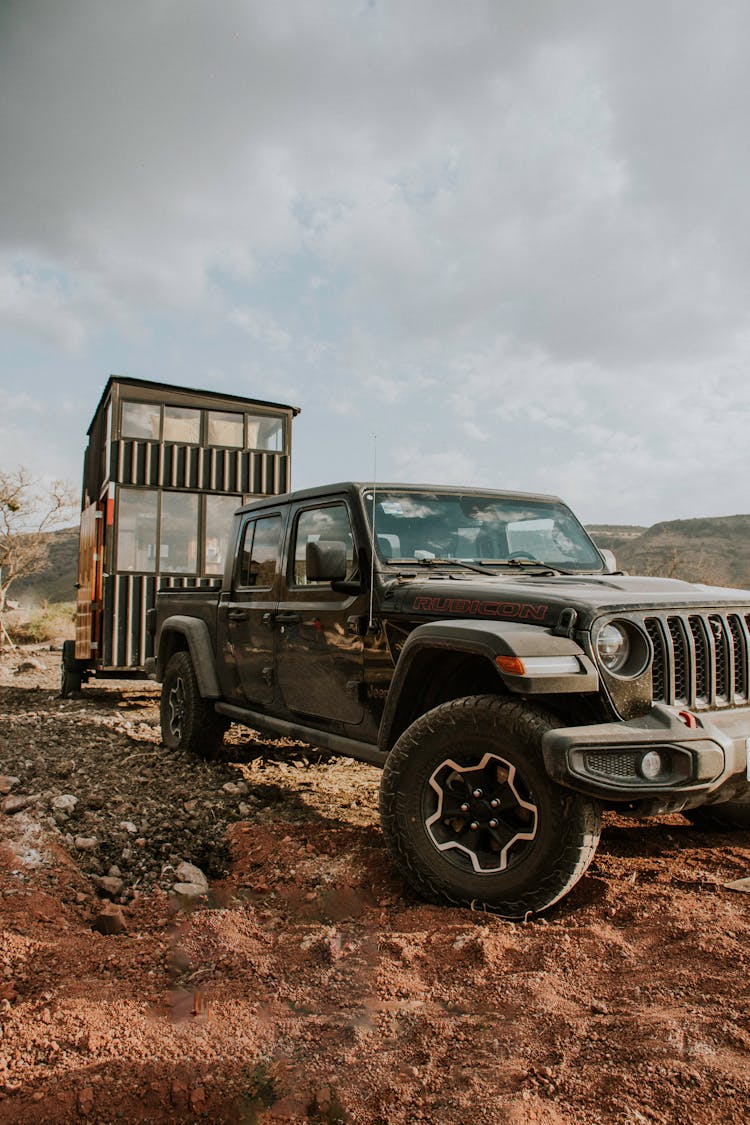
(55,622)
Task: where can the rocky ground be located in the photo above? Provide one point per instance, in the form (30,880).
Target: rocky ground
(293,977)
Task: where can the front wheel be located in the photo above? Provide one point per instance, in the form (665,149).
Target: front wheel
(471,817)
(188,722)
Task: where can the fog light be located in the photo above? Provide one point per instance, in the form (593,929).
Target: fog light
(651,765)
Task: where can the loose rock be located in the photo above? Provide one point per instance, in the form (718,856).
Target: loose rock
(11,805)
(110,920)
(189,873)
(66,802)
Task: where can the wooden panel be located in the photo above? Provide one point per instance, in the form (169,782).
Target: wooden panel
(89,600)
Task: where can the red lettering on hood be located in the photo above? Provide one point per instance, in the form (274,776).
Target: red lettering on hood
(521,611)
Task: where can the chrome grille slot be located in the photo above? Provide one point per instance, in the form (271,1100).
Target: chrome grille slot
(680,651)
(658,668)
(701,660)
(739,653)
(719,629)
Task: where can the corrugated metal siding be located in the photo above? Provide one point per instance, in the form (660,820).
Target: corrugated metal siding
(151,465)
(126,642)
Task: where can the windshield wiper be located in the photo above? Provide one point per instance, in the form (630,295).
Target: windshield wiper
(536,562)
(481,569)
(485,566)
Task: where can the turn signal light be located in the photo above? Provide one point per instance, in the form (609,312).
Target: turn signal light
(512,665)
(538,665)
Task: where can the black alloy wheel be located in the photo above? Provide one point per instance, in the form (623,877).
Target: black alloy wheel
(471,817)
(188,722)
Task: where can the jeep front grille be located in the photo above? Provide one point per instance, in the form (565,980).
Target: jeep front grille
(700,659)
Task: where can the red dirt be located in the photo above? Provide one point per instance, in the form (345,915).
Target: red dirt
(312,986)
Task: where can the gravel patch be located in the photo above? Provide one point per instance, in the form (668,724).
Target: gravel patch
(93,772)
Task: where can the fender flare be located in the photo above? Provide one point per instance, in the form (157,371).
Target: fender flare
(487,639)
(199,646)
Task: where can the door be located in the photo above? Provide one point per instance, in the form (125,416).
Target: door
(319,646)
(248,610)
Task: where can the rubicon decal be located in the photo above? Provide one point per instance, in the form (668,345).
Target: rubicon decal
(464,607)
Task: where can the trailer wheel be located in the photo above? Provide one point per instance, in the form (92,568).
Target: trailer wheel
(188,722)
(471,817)
(71,676)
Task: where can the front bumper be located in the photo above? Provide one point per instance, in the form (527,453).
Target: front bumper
(702,765)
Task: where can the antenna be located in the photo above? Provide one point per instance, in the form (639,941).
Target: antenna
(371,623)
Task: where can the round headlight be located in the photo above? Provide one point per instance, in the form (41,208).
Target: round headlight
(613,647)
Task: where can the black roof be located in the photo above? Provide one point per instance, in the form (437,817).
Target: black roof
(351,486)
(126,381)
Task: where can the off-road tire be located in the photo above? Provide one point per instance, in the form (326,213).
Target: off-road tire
(729,816)
(545,867)
(188,722)
(71,676)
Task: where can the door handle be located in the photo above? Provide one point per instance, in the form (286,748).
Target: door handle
(237,615)
(287,618)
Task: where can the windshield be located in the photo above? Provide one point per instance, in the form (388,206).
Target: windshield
(413,526)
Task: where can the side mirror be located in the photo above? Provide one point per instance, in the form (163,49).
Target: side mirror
(325,561)
(610,562)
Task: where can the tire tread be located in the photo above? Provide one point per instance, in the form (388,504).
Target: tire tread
(582,817)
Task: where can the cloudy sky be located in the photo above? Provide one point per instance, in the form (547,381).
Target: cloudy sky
(512,240)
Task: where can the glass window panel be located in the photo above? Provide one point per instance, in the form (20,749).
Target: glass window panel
(262,539)
(136,530)
(265,433)
(219,513)
(478,527)
(182,424)
(330,523)
(226,429)
(246,551)
(179,533)
(141,420)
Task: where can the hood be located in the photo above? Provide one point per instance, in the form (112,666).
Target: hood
(540,600)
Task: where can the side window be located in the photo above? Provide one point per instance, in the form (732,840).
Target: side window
(259,551)
(141,420)
(330,523)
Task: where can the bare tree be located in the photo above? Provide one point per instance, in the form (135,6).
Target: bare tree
(28,510)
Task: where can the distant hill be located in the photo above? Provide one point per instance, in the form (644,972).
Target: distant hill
(715,549)
(56,583)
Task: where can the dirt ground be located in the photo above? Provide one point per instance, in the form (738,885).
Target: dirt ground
(309,984)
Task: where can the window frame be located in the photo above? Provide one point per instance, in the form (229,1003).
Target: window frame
(174,406)
(253,521)
(291,578)
(201,525)
(159,406)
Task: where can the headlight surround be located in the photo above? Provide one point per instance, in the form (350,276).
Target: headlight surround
(623,649)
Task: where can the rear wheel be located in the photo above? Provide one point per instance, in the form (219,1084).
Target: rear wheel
(188,722)
(471,817)
(729,816)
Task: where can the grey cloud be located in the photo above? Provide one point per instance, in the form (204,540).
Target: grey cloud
(527,217)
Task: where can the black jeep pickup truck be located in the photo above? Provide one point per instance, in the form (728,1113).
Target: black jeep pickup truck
(481,649)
